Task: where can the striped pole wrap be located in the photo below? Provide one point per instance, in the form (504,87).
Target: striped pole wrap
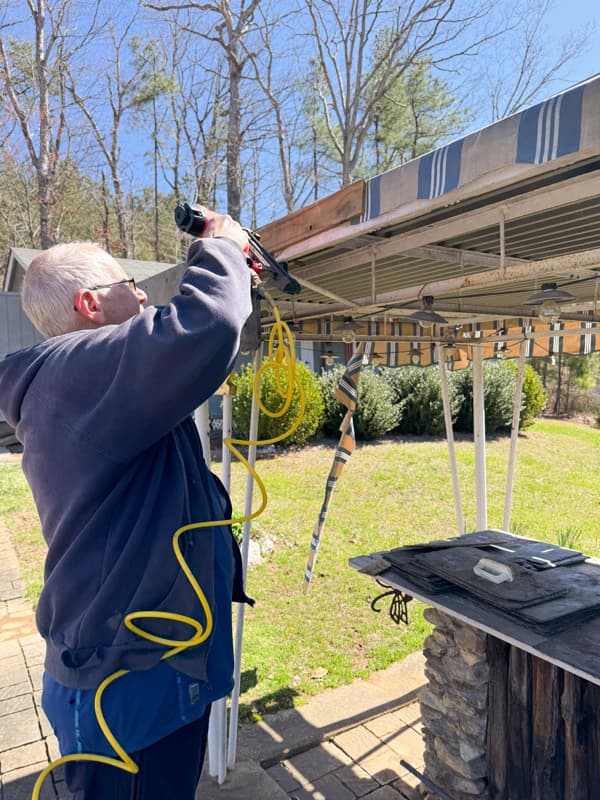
(347,394)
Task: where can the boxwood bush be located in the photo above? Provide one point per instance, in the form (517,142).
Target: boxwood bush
(499,393)
(534,397)
(269,427)
(376,413)
(418,393)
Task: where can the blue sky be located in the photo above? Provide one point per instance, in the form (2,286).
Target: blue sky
(574,14)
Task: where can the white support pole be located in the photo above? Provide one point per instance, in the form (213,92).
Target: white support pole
(441,356)
(218,717)
(235,697)
(220,707)
(218,720)
(226,452)
(213,744)
(202,421)
(479,438)
(514,435)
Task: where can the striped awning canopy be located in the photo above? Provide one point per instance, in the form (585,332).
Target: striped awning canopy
(477,227)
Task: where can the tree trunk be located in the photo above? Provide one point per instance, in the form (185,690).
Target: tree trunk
(234,187)
(43,159)
(558,385)
(106,215)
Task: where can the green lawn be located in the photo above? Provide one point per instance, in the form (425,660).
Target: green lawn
(391,493)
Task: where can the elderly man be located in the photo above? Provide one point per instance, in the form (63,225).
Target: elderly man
(115,465)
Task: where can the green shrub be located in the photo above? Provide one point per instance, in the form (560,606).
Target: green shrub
(534,397)
(499,392)
(375,413)
(270,427)
(418,393)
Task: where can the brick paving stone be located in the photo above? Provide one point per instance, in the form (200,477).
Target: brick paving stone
(22,756)
(385,793)
(18,784)
(9,649)
(9,592)
(28,641)
(316,762)
(35,676)
(34,650)
(13,704)
(282,777)
(58,773)
(62,792)
(358,742)
(410,714)
(408,785)
(356,779)
(10,666)
(15,689)
(42,718)
(21,607)
(385,725)
(408,744)
(383,765)
(326,788)
(52,747)
(19,728)
(17,623)
(14,671)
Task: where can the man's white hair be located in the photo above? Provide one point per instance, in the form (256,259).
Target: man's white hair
(54,277)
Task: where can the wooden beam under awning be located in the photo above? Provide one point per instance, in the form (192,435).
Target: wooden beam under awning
(329,212)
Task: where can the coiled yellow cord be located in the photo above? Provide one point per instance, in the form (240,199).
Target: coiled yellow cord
(282,360)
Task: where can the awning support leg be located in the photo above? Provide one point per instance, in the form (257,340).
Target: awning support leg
(235,697)
(514,435)
(481,518)
(441,353)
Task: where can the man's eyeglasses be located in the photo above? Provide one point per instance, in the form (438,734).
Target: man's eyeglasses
(130,281)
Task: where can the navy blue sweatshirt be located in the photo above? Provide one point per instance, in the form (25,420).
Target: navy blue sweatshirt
(115,465)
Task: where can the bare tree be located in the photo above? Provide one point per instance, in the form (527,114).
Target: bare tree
(194,152)
(33,72)
(526,60)
(228,31)
(126,87)
(282,95)
(364,46)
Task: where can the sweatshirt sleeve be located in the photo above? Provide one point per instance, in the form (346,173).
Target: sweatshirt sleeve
(129,384)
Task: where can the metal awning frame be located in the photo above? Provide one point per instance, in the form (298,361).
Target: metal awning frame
(424,243)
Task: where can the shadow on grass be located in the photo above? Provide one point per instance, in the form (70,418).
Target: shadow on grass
(268,704)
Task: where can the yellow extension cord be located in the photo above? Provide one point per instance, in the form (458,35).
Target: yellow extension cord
(282,360)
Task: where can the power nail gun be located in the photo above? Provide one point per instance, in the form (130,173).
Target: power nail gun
(190,219)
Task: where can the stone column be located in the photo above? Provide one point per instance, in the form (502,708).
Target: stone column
(454,708)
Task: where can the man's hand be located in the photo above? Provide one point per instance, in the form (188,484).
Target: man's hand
(224,225)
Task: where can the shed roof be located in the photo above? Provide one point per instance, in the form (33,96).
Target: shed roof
(140,270)
(478,224)
(159,280)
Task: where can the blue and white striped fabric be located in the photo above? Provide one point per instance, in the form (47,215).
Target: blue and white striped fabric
(555,343)
(494,156)
(347,394)
(373,197)
(588,340)
(439,172)
(550,129)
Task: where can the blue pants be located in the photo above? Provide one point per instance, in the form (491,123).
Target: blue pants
(169,770)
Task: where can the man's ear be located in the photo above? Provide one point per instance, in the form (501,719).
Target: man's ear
(89,305)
